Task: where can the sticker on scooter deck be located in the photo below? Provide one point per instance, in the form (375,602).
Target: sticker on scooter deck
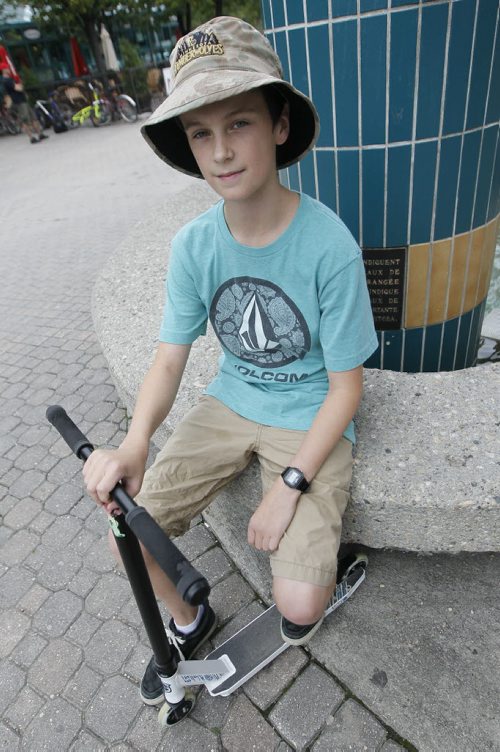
(260,641)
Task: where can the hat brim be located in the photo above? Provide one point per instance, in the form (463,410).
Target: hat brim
(169,141)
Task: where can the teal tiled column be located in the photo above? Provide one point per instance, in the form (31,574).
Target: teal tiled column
(408,92)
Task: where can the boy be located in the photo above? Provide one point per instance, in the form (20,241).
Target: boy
(283,283)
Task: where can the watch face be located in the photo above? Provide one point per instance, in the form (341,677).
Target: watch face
(293,476)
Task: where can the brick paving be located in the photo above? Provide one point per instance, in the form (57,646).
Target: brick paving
(73,648)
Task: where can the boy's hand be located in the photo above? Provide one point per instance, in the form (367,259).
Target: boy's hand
(272,516)
(105,467)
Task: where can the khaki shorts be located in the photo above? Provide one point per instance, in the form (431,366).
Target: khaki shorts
(25,113)
(211,446)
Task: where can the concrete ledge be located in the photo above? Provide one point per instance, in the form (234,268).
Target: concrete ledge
(426,471)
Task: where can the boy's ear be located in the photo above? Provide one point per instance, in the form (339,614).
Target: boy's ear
(282,127)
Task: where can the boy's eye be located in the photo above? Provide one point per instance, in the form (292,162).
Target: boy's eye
(199,134)
(239,124)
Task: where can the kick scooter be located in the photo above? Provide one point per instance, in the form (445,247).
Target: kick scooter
(237,659)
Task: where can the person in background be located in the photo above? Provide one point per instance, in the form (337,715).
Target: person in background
(29,122)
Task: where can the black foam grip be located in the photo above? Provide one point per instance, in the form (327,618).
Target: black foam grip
(191,585)
(71,434)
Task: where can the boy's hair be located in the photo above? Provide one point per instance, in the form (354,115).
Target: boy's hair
(218,60)
(275,101)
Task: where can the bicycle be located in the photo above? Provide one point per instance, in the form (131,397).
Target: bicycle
(9,122)
(123,105)
(50,113)
(99,111)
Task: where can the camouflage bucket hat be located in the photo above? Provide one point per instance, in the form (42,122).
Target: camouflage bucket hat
(220,59)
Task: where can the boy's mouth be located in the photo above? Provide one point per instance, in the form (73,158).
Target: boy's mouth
(229,175)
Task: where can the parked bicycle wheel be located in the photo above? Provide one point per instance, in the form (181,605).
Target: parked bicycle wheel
(104,116)
(11,123)
(126,107)
(43,115)
(67,115)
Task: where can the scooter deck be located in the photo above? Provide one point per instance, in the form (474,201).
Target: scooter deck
(260,641)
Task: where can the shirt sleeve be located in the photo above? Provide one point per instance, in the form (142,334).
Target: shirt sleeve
(184,314)
(347,332)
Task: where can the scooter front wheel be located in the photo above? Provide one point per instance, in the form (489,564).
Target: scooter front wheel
(169,716)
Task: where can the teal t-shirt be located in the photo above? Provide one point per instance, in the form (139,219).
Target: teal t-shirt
(285,313)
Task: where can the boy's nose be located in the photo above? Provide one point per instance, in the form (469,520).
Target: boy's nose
(222,150)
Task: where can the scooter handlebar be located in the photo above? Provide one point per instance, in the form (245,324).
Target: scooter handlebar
(190,584)
(71,434)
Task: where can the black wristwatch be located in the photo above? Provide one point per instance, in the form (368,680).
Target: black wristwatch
(294,478)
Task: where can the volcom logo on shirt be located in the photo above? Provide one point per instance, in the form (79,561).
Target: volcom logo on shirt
(257,322)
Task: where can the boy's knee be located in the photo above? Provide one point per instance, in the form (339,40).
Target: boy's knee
(300,602)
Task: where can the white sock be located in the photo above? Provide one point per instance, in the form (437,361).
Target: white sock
(188,628)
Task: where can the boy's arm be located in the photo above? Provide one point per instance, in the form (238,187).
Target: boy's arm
(277,508)
(104,468)
(157,394)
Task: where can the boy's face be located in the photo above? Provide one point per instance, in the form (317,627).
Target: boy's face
(234,143)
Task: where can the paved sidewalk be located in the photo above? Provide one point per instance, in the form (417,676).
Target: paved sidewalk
(73,648)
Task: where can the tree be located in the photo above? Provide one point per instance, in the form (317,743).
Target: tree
(85,17)
(76,16)
(192,13)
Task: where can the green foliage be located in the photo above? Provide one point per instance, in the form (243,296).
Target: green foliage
(29,78)
(134,74)
(84,17)
(142,14)
(248,10)
(204,10)
(71,15)
(31,83)
(130,54)
(11,35)
(75,17)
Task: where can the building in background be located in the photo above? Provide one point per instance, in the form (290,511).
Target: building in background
(44,56)
(45,53)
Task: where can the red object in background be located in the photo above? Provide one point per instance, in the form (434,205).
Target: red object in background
(79,65)
(6,62)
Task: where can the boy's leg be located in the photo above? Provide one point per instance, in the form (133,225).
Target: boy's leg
(36,126)
(21,112)
(24,116)
(304,566)
(301,602)
(163,587)
(208,449)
